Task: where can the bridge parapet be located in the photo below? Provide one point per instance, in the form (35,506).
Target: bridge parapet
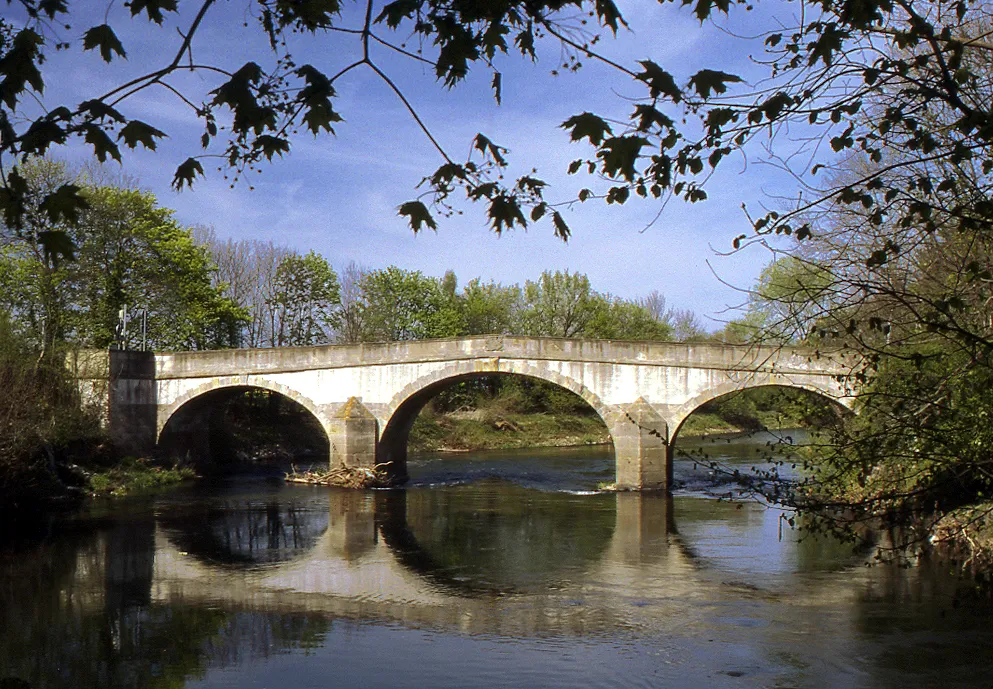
(705,355)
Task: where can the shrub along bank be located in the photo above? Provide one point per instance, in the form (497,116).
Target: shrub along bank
(52,450)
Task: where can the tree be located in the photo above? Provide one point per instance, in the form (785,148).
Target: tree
(350,322)
(863,78)
(130,253)
(305,301)
(559,304)
(404,305)
(618,319)
(488,307)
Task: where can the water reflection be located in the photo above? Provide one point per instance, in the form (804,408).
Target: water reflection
(484,584)
(496,538)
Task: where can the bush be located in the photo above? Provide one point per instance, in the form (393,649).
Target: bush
(41,423)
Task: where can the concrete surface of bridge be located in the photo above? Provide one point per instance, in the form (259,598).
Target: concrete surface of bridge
(367,396)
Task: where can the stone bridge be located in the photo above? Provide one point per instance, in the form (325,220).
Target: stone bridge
(367,396)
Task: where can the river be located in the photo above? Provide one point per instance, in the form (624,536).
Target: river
(488,570)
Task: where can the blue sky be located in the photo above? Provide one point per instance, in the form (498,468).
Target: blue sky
(339,195)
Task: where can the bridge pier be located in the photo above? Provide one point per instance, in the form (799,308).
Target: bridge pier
(641,448)
(353,432)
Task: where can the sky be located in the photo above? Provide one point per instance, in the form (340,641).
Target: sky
(339,195)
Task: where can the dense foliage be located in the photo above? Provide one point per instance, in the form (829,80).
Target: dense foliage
(130,255)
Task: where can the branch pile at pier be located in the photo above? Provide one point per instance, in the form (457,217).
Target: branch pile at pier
(344,477)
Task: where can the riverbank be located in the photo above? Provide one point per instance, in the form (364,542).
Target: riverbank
(484,429)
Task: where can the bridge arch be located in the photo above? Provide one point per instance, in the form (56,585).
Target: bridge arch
(406,404)
(816,386)
(166,412)
(192,425)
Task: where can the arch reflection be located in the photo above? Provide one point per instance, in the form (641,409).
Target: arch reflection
(244,532)
(518,540)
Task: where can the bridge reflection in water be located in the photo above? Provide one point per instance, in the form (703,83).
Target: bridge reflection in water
(197,581)
(440,556)
(449,557)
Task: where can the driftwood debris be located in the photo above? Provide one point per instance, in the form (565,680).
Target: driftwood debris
(344,477)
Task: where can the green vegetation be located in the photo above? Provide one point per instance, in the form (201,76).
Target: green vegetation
(129,253)
(132,475)
(506,413)
(42,425)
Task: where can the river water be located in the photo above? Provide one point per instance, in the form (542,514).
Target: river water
(488,570)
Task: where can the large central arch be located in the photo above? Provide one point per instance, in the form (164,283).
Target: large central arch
(403,409)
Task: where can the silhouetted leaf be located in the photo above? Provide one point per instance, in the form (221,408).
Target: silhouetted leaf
(102,144)
(660,82)
(137,132)
(187,171)
(417,214)
(64,204)
(707,80)
(19,67)
(620,154)
(589,126)
(104,38)
(153,8)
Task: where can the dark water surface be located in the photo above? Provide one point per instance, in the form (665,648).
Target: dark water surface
(489,570)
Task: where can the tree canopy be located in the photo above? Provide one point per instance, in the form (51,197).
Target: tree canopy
(840,78)
(131,254)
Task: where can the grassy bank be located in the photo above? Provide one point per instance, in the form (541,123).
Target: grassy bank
(53,452)
(488,430)
(135,475)
(480,430)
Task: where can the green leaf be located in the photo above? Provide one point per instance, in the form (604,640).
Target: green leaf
(102,143)
(187,171)
(104,38)
(153,8)
(418,215)
(64,204)
(589,126)
(660,82)
(707,80)
(137,132)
